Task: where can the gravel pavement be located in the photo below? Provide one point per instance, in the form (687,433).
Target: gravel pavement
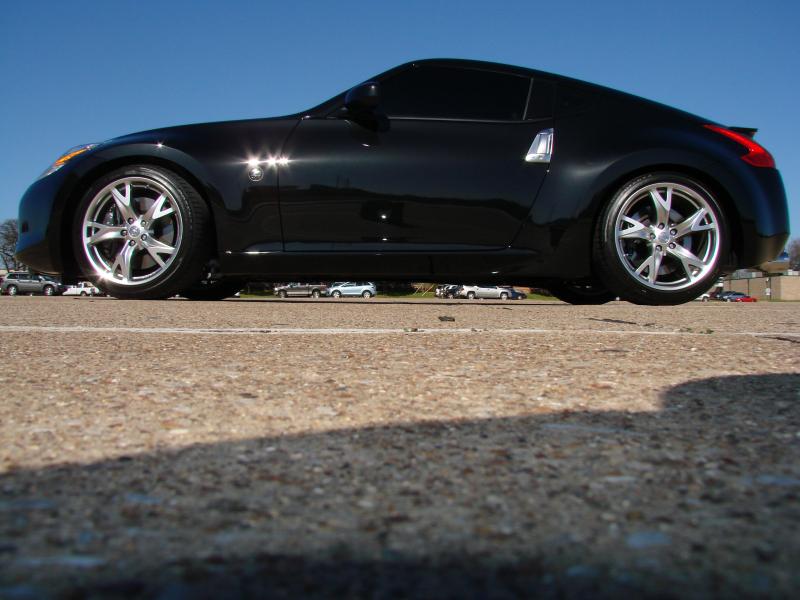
(398,448)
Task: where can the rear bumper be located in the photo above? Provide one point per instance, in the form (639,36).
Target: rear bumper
(764,219)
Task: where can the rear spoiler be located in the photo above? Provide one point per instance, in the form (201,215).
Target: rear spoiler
(748,131)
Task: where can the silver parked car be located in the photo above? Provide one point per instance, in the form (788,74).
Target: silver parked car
(349,288)
(489,291)
(30,283)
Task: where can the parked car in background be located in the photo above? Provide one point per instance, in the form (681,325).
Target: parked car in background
(451,290)
(349,288)
(739,297)
(722,296)
(489,291)
(82,288)
(30,283)
(301,290)
(446,290)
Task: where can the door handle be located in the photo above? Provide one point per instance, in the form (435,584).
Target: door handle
(541,150)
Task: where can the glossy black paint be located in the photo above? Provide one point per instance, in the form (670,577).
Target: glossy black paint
(411,198)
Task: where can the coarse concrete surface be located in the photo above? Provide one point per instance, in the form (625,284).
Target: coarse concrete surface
(398,448)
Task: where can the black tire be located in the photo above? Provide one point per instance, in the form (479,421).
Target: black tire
(315,294)
(337,294)
(213,290)
(618,263)
(582,293)
(12,290)
(470,295)
(366,295)
(84,294)
(48,290)
(184,266)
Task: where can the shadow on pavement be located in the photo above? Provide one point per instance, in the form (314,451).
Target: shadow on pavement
(698,499)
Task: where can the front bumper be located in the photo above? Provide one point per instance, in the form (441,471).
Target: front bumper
(39,242)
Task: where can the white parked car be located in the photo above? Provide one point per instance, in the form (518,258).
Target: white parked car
(82,288)
(489,291)
(349,288)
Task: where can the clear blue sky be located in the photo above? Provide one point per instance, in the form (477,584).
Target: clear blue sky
(85,71)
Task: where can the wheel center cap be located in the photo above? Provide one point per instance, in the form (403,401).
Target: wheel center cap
(663,236)
(134,231)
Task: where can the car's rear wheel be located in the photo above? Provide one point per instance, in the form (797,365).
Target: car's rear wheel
(213,290)
(581,292)
(504,296)
(660,240)
(141,232)
(337,294)
(366,295)
(471,295)
(315,294)
(282,294)
(12,290)
(48,290)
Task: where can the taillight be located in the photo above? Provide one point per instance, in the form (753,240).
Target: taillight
(756,155)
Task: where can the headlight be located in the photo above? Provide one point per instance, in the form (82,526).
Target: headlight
(66,157)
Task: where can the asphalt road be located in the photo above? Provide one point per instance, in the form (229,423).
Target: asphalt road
(400,448)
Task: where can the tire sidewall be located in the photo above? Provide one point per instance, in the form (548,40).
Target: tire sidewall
(194,216)
(614,274)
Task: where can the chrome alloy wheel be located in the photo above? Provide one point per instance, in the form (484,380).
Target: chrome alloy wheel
(132,231)
(667,236)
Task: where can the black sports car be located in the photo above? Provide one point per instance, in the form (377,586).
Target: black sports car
(435,170)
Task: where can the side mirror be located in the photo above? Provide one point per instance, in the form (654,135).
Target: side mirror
(363,98)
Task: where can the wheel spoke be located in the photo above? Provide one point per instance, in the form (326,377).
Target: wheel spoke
(123,202)
(157,210)
(155,248)
(124,262)
(635,231)
(663,205)
(103,233)
(688,260)
(652,264)
(694,223)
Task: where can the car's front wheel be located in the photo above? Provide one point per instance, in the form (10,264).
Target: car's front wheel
(337,294)
(12,290)
(48,290)
(660,240)
(140,232)
(366,295)
(471,295)
(315,294)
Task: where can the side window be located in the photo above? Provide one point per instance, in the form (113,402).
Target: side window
(453,93)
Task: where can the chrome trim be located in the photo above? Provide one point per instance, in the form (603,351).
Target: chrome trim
(541,150)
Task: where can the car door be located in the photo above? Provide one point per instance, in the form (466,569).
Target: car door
(27,283)
(442,167)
